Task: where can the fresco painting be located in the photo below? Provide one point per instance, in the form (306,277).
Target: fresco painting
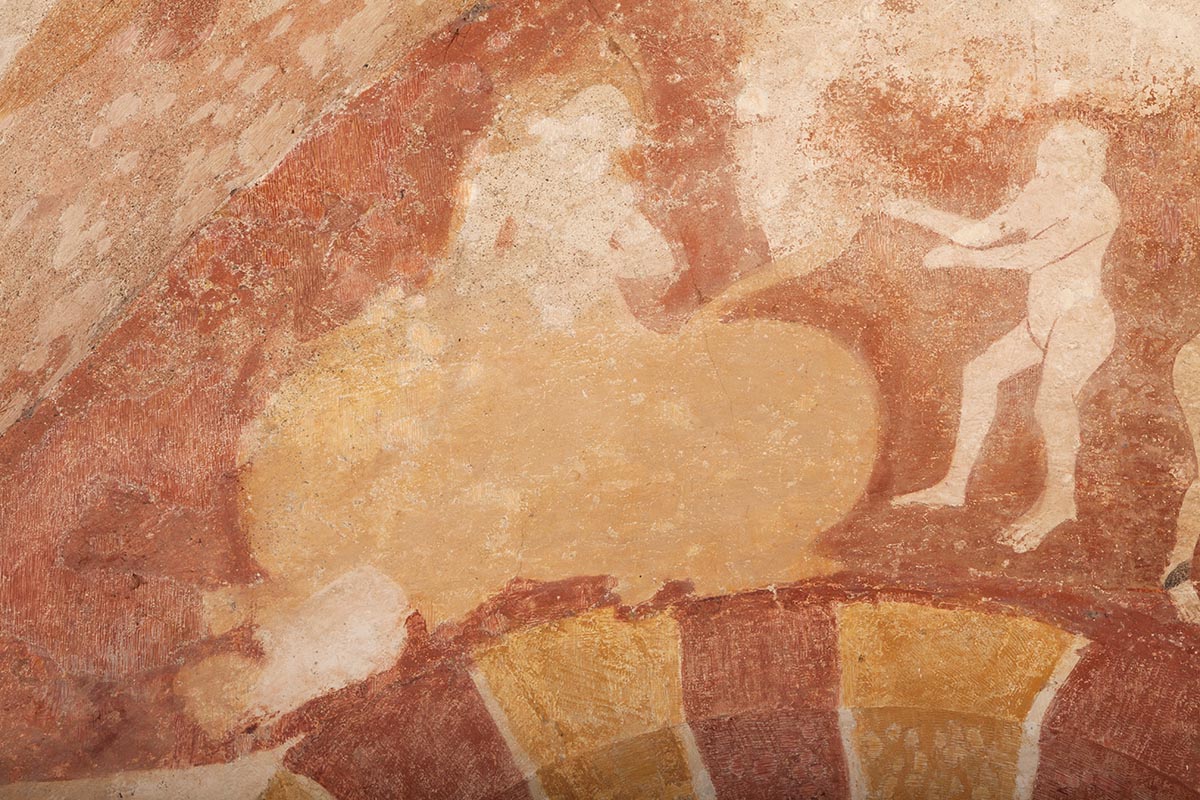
(554,399)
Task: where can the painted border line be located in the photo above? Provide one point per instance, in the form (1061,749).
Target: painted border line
(1031,729)
(523,761)
(854,768)
(702,785)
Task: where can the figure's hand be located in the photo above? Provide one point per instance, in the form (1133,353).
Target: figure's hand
(944,257)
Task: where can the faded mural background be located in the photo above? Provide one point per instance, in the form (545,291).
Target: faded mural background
(595,399)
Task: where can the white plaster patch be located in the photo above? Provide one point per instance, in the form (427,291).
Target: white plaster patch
(20,215)
(9,45)
(267,139)
(199,168)
(99,137)
(223,114)
(127,163)
(259,79)
(233,68)
(202,112)
(163,101)
(124,108)
(281,27)
(361,35)
(344,633)
(199,206)
(89,300)
(78,231)
(312,53)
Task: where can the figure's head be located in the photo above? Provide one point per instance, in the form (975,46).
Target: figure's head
(1072,150)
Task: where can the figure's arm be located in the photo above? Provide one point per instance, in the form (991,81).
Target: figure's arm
(960,230)
(1028,256)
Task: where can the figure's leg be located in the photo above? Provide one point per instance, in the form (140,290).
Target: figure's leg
(1079,343)
(1181,574)
(1012,353)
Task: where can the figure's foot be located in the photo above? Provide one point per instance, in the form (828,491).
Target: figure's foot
(1187,602)
(940,494)
(1047,514)
(1182,592)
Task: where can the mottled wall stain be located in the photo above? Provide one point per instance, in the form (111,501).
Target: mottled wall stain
(125,126)
(69,35)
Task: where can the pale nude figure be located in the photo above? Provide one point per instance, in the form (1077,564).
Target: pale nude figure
(1179,578)
(1061,223)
